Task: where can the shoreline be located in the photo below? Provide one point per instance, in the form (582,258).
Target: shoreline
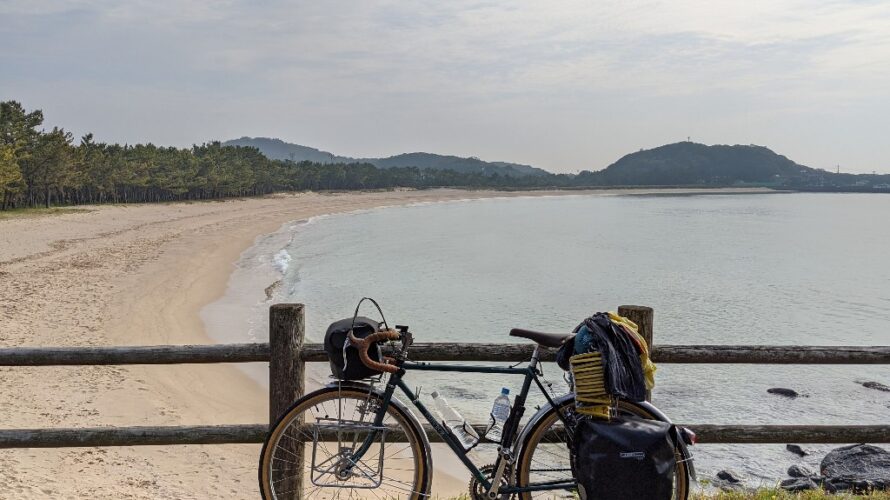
(243,293)
(140,275)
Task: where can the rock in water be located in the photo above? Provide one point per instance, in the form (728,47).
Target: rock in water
(800,471)
(798,484)
(729,476)
(788,393)
(797,450)
(728,481)
(858,467)
(875,385)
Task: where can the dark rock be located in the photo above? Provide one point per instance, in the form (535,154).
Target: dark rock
(798,484)
(800,471)
(729,476)
(860,467)
(875,385)
(728,481)
(797,450)
(788,393)
(836,485)
(864,486)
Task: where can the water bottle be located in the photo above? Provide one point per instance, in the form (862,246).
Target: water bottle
(456,423)
(499,413)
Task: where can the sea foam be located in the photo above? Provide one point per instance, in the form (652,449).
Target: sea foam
(282,261)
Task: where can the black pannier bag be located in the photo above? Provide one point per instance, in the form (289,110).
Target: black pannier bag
(625,458)
(335,339)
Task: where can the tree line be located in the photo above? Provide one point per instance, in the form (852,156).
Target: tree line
(40,167)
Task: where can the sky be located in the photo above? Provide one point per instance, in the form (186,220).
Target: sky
(565,86)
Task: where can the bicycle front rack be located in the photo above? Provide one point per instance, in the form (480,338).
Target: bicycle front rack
(340,469)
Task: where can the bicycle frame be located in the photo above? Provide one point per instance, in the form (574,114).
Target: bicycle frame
(530,373)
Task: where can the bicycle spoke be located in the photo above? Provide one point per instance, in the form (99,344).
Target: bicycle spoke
(402,464)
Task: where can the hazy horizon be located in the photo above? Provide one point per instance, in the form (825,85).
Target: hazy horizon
(564,87)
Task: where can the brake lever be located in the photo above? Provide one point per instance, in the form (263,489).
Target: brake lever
(407,338)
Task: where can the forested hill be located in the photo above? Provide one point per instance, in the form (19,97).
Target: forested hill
(689,163)
(277,149)
(40,167)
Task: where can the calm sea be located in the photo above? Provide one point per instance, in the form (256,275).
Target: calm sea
(797,269)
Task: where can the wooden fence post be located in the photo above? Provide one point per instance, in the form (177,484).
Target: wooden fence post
(643,317)
(286,384)
(286,332)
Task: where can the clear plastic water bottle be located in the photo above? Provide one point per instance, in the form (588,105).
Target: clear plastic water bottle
(499,413)
(463,431)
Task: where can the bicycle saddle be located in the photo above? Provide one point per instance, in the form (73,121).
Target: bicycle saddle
(551,340)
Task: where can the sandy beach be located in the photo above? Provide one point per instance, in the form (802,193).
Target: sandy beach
(139,275)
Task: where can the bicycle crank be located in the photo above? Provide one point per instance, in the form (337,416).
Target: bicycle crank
(477,490)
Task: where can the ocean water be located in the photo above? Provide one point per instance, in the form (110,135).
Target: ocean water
(793,269)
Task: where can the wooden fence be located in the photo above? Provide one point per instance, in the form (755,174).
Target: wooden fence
(287,355)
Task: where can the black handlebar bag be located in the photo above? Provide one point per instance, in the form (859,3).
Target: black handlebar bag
(624,458)
(345,362)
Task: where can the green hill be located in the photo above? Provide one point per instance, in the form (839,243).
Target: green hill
(689,163)
(277,149)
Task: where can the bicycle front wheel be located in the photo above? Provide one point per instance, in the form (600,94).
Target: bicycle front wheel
(545,456)
(310,452)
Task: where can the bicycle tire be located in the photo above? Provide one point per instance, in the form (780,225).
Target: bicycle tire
(542,425)
(323,401)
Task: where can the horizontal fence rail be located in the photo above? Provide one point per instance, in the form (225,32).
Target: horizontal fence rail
(255,433)
(687,354)
(474,352)
(134,355)
(132,436)
(286,354)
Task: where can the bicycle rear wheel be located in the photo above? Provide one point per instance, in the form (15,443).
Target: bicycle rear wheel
(545,455)
(309,452)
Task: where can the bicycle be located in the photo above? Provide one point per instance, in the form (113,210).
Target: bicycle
(380,450)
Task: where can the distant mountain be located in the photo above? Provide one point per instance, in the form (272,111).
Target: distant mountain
(279,150)
(677,164)
(276,149)
(689,163)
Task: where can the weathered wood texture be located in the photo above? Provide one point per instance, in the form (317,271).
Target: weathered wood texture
(772,354)
(442,351)
(286,377)
(286,383)
(644,317)
(707,433)
(133,355)
(132,436)
(223,434)
(754,434)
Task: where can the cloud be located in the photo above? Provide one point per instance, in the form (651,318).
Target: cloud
(490,79)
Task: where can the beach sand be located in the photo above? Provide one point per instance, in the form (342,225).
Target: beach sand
(139,275)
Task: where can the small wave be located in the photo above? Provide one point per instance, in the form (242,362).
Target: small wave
(312,220)
(282,260)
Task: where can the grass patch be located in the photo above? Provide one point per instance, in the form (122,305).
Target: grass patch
(769,494)
(30,213)
(780,494)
